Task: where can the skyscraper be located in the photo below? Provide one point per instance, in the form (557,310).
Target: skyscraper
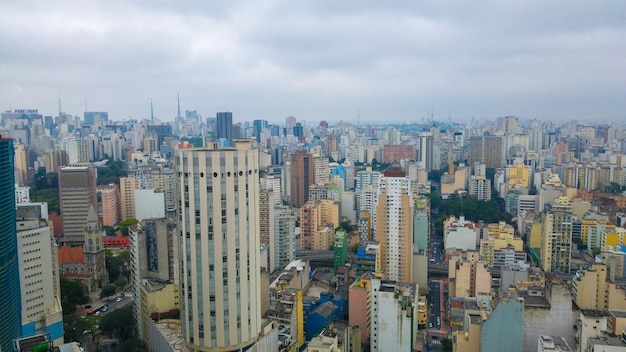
(556,237)
(10,314)
(302,175)
(219,229)
(425,152)
(225,126)
(488,149)
(394,225)
(77,192)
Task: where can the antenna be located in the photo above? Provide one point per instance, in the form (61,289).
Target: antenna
(178,95)
(358,118)
(151,111)
(60,104)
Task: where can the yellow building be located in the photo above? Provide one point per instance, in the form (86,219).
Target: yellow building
(158,299)
(468,277)
(535,236)
(329,212)
(584,229)
(613,237)
(500,228)
(490,245)
(287,310)
(519,175)
(422,312)
(590,289)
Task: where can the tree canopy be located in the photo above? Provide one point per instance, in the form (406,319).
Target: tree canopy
(119,323)
(73,294)
(111,173)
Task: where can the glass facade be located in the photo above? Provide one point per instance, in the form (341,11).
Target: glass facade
(10,314)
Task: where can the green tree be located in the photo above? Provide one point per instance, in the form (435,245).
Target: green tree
(354,249)
(111,173)
(118,265)
(108,290)
(446,344)
(73,294)
(119,323)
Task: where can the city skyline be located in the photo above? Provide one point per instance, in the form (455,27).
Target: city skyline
(317,60)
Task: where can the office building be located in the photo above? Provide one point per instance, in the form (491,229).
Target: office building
(91,118)
(219,229)
(10,314)
(77,193)
(302,176)
(425,151)
(488,149)
(394,225)
(39,280)
(225,126)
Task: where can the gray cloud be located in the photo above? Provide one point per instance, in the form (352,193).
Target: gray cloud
(317,59)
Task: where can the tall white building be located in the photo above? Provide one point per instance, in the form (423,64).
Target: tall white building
(322,170)
(219,228)
(273,182)
(393,315)
(425,152)
(39,280)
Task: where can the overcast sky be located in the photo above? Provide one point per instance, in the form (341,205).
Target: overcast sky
(317,60)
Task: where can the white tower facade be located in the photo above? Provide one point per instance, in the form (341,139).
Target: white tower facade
(218,193)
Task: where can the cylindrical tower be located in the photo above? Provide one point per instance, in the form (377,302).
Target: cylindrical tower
(218,204)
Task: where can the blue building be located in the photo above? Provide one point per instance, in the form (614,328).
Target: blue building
(10,313)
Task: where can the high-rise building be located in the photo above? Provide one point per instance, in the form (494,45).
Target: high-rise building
(302,176)
(488,149)
(425,152)
(556,237)
(110,196)
(128,186)
(322,170)
(267,222)
(284,250)
(219,229)
(21,168)
(39,279)
(77,192)
(225,126)
(10,314)
(394,225)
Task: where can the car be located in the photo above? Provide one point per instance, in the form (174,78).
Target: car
(430,325)
(118,299)
(438,321)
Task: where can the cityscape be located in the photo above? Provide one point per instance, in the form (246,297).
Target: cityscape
(312,176)
(206,234)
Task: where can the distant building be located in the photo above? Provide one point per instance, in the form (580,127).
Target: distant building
(128,186)
(302,176)
(77,193)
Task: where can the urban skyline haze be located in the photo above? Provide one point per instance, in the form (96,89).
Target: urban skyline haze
(317,60)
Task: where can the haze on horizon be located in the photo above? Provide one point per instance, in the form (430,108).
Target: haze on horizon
(317,60)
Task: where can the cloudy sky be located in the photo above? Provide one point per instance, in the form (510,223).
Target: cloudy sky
(318,59)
